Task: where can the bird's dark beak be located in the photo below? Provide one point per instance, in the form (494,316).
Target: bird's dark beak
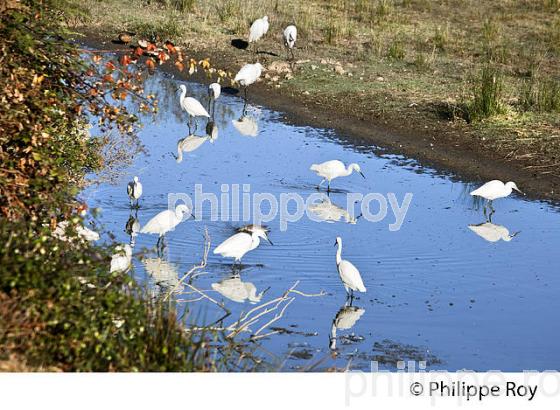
(362,175)
(513,235)
(269,241)
(334,243)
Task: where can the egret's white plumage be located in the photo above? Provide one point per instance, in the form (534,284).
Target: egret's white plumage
(495,189)
(83,232)
(121,259)
(247,239)
(189,144)
(290,37)
(134,190)
(165,221)
(330,170)
(191,105)
(248,74)
(329,212)
(349,274)
(258,29)
(238,291)
(164,274)
(212,131)
(492,232)
(214,90)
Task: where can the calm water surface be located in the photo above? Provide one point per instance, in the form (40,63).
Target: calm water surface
(437,291)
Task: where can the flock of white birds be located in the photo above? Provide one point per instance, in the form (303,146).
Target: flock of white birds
(248,237)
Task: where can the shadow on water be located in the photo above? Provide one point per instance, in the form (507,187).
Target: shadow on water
(449,288)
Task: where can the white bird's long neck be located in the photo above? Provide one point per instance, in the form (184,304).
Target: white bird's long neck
(256,240)
(339,254)
(183,95)
(179,153)
(349,170)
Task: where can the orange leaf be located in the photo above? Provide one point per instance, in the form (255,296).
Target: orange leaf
(151,47)
(170,47)
(96,58)
(125,60)
(180,66)
(151,63)
(138,51)
(110,66)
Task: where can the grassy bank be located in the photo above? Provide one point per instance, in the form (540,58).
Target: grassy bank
(486,73)
(60,307)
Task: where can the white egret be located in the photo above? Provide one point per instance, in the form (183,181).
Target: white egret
(248,75)
(494,190)
(214,91)
(165,221)
(258,29)
(188,144)
(492,232)
(290,37)
(83,232)
(192,106)
(121,259)
(345,319)
(330,170)
(246,239)
(247,126)
(349,274)
(134,190)
(238,291)
(329,212)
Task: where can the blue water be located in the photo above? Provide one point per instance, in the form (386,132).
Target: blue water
(437,292)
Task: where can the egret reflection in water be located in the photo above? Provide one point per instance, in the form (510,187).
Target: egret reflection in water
(345,319)
(492,232)
(132,228)
(327,211)
(188,144)
(238,291)
(163,274)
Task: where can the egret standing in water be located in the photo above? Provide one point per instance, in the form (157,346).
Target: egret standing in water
(246,239)
(349,274)
(165,221)
(494,190)
(192,106)
(134,191)
(258,29)
(214,91)
(248,75)
(121,259)
(333,169)
(290,36)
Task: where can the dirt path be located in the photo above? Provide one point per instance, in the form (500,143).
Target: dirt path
(434,142)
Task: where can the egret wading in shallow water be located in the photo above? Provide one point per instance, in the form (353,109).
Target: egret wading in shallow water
(248,74)
(192,106)
(134,191)
(214,91)
(290,36)
(165,221)
(258,29)
(349,274)
(121,259)
(494,190)
(246,239)
(330,170)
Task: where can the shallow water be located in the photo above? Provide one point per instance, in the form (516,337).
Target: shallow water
(437,291)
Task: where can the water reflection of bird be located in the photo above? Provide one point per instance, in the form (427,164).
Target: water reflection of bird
(248,75)
(257,30)
(165,221)
(164,274)
(214,91)
(245,240)
(290,36)
(345,319)
(349,274)
(246,126)
(188,144)
(134,191)
(212,131)
(192,106)
(330,170)
(121,259)
(494,190)
(329,212)
(238,291)
(132,228)
(492,232)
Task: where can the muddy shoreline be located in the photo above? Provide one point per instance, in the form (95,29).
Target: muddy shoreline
(433,143)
